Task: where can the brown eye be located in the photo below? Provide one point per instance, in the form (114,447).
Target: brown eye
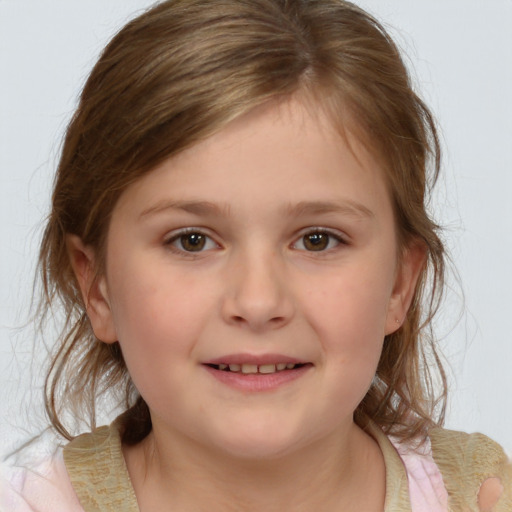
(316,241)
(192,242)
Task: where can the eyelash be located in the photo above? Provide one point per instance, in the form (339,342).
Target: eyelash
(332,236)
(179,236)
(175,238)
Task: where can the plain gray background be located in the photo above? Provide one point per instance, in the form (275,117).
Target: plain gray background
(461,52)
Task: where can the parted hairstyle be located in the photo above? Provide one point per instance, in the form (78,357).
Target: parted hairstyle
(176,75)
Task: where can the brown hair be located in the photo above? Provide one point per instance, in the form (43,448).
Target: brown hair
(179,73)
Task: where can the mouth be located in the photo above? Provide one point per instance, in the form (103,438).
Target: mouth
(252,373)
(252,369)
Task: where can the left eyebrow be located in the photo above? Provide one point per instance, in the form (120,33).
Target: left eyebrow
(345,207)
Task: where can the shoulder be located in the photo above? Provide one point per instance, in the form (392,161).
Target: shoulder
(44,486)
(475,470)
(98,472)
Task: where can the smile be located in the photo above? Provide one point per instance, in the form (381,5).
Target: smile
(253,373)
(250,369)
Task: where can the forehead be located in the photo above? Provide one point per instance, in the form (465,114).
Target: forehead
(282,153)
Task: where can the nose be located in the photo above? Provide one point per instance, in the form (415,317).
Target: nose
(257,293)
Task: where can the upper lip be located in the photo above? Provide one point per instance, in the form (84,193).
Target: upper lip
(254,359)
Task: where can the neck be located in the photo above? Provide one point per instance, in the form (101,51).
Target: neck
(343,473)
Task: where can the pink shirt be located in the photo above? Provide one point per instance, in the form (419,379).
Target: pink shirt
(427,491)
(46,488)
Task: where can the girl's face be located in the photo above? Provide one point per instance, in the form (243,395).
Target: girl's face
(251,280)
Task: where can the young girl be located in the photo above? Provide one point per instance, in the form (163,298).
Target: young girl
(239,240)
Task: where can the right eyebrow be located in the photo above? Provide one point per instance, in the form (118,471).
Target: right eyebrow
(205,208)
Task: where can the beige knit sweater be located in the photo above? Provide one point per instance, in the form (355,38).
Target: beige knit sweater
(100,478)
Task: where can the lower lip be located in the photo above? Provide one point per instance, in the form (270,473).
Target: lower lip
(254,382)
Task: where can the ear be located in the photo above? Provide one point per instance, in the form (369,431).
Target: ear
(93,287)
(408,271)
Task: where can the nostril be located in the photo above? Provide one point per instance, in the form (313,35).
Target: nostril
(275,321)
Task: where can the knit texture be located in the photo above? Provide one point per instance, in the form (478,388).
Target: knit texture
(466,461)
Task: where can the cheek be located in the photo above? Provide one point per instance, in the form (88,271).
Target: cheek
(350,310)
(348,316)
(352,337)
(157,318)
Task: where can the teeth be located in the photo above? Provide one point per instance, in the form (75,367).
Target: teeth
(267,368)
(247,369)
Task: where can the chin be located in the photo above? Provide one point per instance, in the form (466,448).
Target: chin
(260,441)
(256,450)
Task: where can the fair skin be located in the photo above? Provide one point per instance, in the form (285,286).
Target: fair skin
(271,242)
